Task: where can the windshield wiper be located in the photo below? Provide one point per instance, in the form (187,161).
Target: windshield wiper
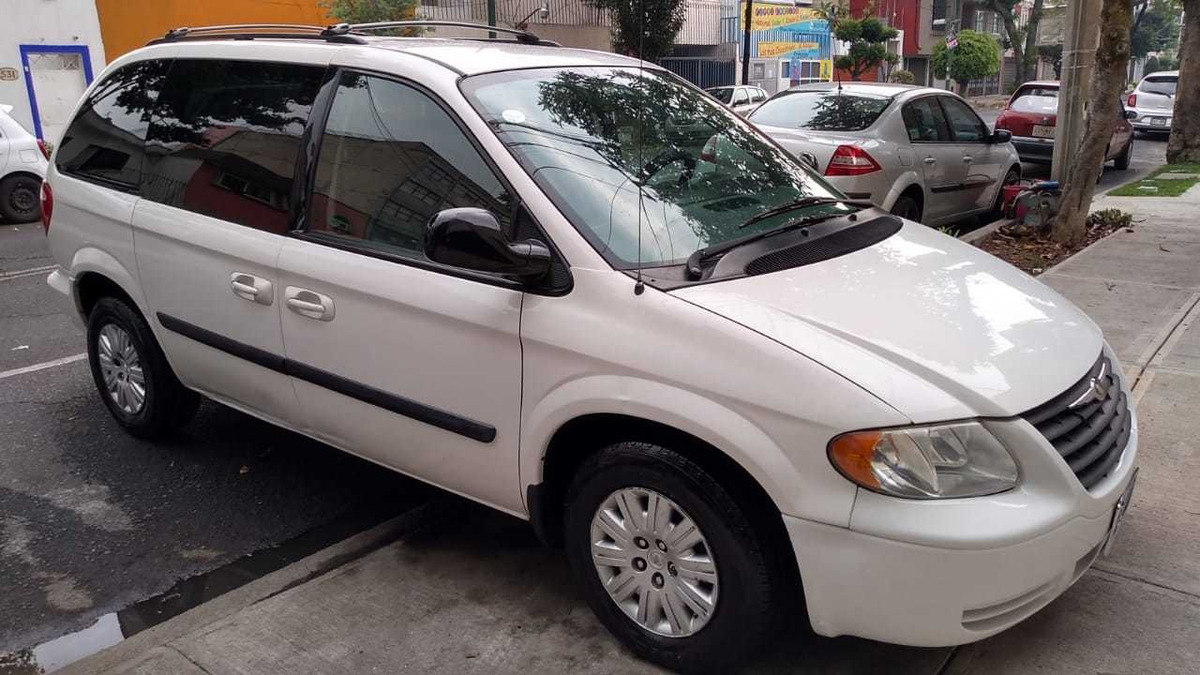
(799,204)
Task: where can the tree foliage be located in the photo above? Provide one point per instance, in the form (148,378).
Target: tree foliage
(1156,28)
(977,56)
(868,38)
(645,29)
(902,76)
(367,11)
(1022,39)
(1053,55)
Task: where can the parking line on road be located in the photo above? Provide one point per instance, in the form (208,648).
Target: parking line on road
(42,366)
(21,274)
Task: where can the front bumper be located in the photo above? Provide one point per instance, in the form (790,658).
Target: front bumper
(62,282)
(946,572)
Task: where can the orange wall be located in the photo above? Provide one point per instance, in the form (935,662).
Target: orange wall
(126,25)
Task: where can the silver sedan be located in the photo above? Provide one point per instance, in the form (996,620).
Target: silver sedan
(921,153)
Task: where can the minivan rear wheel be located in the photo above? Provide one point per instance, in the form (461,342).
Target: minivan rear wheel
(669,561)
(132,375)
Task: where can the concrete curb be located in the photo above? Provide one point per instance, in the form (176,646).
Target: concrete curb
(975,236)
(306,569)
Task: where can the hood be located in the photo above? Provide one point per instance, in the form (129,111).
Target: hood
(934,327)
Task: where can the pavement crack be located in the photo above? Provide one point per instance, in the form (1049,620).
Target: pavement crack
(187,658)
(945,667)
(1142,580)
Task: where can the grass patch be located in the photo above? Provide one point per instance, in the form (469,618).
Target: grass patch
(1166,188)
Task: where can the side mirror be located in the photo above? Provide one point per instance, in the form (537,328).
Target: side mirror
(471,238)
(1001,136)
(1130,115)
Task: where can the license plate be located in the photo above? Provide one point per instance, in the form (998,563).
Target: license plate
(1158,121)
(1118,514)
(1042,131)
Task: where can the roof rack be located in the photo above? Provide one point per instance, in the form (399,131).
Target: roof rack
(344,33)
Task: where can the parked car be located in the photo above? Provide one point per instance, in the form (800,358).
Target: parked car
(22,168)
(724,389)
(1152,103)
(920,153)
(740,99)
(1031,115)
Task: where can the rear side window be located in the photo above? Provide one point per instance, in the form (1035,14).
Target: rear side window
(1164,85)
(225,138)
(390,159)
(104,141)
(821,111)
(925,122)
(1040,100)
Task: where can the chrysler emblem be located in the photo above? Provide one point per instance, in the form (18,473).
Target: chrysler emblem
(1097,389)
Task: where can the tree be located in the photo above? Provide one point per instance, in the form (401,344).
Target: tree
(868,39)
(367,11)
(902,76)
(1022,39)
(645,29)
(1053,55)
(1108,81)
(977,56)
(1184,144)
(1155,28)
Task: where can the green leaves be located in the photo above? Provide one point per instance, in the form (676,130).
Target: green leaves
(644,28)
(868,44)
(977,56)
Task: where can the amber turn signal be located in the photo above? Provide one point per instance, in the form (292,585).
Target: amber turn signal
(852,453)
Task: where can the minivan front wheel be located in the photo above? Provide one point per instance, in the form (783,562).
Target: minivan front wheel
(669,561)
(132,374)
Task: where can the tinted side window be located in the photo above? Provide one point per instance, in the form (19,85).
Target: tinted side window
(965,124)
(925,122)
(225,138)
(390,159)
(740,97)
(104,141)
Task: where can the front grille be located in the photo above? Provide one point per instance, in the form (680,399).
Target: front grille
(1089,424)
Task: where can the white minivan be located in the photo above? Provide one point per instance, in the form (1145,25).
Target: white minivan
(512,270)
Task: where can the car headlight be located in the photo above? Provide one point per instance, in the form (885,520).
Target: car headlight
(932,462)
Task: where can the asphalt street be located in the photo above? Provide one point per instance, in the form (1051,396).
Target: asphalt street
(93,520)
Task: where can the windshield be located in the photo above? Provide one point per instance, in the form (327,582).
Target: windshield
(1160,85)
(722,94)
(821,110)
(1036,100)
(591,136)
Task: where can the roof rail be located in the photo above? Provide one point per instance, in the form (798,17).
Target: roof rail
(338,32)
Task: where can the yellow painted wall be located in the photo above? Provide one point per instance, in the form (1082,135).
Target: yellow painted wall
(126,25)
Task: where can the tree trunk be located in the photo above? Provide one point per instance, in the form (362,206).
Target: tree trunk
(1026,71)
(1184,145)
(1108,82)
(1014,38)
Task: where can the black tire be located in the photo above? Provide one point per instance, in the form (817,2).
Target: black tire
(20,199)
(907,207)
(1126,156)
(752,593)
(167,404)
(1011,176)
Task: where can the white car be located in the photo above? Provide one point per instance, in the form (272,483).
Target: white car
(1153,102)
(727,391)
(22,168)
(920,153)
(741,99)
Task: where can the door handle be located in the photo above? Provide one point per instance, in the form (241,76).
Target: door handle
(931,160)
(968,159)
(309,304)
(252,288)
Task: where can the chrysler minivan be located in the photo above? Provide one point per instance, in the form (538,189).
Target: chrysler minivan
(518,272)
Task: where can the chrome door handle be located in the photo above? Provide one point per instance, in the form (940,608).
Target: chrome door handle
(309,304)
(931,160)
(968,159)
(252,288)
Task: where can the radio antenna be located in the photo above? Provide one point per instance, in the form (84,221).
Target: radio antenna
(640,287)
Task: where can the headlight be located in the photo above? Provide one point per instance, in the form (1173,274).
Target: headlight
(948,460)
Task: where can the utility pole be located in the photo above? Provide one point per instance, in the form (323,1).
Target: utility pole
(746,20)
(1078,66)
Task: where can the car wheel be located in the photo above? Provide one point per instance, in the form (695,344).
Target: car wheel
(906,207)
(19,199)
(1126,156)
(669,561)
(132,375)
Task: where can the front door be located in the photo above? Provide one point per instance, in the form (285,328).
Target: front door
(216,186)
(939,158)
(394,357)
(983,161)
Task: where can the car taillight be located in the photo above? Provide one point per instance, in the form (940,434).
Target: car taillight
(850,160)
(1132,102)
(45,150)
(47,205)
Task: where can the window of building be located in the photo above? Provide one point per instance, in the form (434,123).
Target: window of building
(225,138)
(105,140)
(390,159)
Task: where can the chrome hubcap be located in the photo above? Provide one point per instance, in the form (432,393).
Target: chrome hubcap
(121,369)
(654,562)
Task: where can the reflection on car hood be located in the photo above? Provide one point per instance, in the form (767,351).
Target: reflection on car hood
(935,327)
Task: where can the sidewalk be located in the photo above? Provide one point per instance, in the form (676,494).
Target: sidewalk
(471,591)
